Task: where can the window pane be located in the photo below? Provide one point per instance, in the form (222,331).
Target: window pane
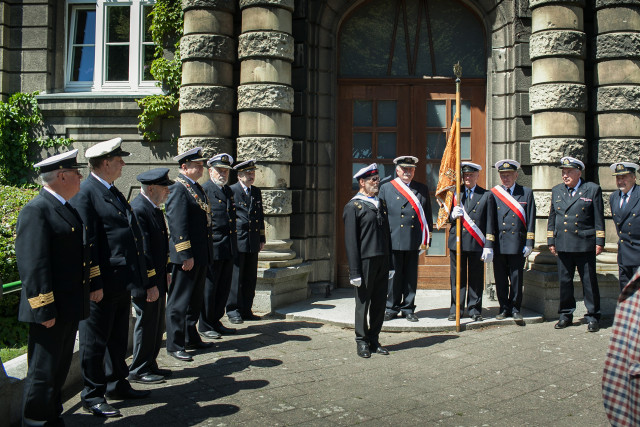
(433,169)
(386,170)
(82,64)
(465,145)
(147,50)
(362,145)
(387,113)
(117,63)
(438,243)
(362,113)
(435,207)
(436,143)
(85,27)
(118,24)
(437,114)
(386,145)
(465,112)
(148,20)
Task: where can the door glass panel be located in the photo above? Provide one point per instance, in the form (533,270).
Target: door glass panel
(435,207)
(465,145)
(387,113)
(438,243)
(433,169)
(437,114)
(436,143)
(465,112)
(386,170)
(387,145)
(362,145)
(362,113)
(400,64)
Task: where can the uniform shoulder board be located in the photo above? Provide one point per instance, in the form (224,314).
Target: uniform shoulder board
(384,203)
(357,205)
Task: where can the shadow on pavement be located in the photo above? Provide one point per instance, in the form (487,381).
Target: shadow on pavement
(420,342)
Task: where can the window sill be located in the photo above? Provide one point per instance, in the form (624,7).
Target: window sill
(104,94)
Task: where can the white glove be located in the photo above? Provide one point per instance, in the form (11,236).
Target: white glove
(391,274)
(487,255)
(526,251)
(356,282)
(457,212)
(421,252)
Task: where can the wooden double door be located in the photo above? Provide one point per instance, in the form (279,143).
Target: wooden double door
(381,120)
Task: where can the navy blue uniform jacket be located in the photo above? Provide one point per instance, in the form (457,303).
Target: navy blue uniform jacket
(482,212)
(249,218)
(511,235)
(223,212)
(627,223)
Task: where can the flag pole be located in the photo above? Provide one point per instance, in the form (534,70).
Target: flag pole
(457,70)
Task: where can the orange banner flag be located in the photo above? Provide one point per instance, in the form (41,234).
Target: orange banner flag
(447,177)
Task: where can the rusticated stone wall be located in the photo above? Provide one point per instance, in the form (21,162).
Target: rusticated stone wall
(207,95)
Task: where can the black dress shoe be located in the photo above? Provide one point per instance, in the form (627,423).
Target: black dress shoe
(562,323)
(164,372)
(378,349)
(214,335)
(236,320)
(102,410)
(452,317)
(503,315)
(593,326)
(181,355)
(251,316)
(363,350)
(476,318)
(389,316)
(517,317)
(127,394)
(223,330)
(199,345)
(146,379)
(411,317)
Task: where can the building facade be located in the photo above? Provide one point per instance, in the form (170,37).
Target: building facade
(314,89)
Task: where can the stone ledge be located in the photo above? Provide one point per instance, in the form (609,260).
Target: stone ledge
(276,202)
(210,146)
(207,46)
(224,5)
(277,287)
(266,148)
(551,150)
(557,43)
(264,44)
(211,98)
(265,97)
(622,45)
(558,96)
(618,98)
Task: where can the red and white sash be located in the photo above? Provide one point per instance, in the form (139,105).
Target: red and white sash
(513,204)
(471,226)
(417,207)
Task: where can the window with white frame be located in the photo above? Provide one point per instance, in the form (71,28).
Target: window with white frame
(109,46)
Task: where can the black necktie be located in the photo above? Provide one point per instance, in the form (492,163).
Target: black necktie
(119,196)
(571,190)
(625,197)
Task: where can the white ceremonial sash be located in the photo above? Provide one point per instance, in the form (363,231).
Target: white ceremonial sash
(417,207)
(471,226)
(513,204)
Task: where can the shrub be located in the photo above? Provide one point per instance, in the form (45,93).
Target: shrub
(12,199)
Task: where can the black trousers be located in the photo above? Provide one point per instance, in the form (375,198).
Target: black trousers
(103,347)
(370,299)
(471,282)
(508,272)
(243,284)
(183,306)
(49,353)
(625,273)
(585,262)
(401,295)
(147,334)
(216,292)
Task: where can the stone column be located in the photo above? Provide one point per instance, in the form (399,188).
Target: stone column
(207,94)
(617,124)
(265,104)
(557,101)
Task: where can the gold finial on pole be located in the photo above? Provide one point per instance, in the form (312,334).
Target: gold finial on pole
(457,69)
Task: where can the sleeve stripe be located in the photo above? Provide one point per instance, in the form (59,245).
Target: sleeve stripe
(549,233)
(41,300)
(151,273)
(531,236)
(490,237)
(599,233)
(94,272)
(183,246)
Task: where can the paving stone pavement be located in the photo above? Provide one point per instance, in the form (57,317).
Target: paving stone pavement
(278,372)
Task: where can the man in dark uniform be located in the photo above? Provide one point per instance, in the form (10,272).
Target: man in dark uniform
(189,218)
(251,240)
(225,247)
(410,219)
(53,260)
(625,210)
(368,242)
(477,222)
(150,309)
(118,272)
(575,234)
(515,225)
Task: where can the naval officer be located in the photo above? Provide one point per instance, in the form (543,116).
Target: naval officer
(150,309)
(409,208)
(514,225)
(118,272)
(368,242)
(625,210)
(53,260)
(189,219)
(250,239)
(477,221)
(225,247)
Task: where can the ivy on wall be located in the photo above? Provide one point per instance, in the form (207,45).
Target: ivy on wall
(20,123)
(166,30)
